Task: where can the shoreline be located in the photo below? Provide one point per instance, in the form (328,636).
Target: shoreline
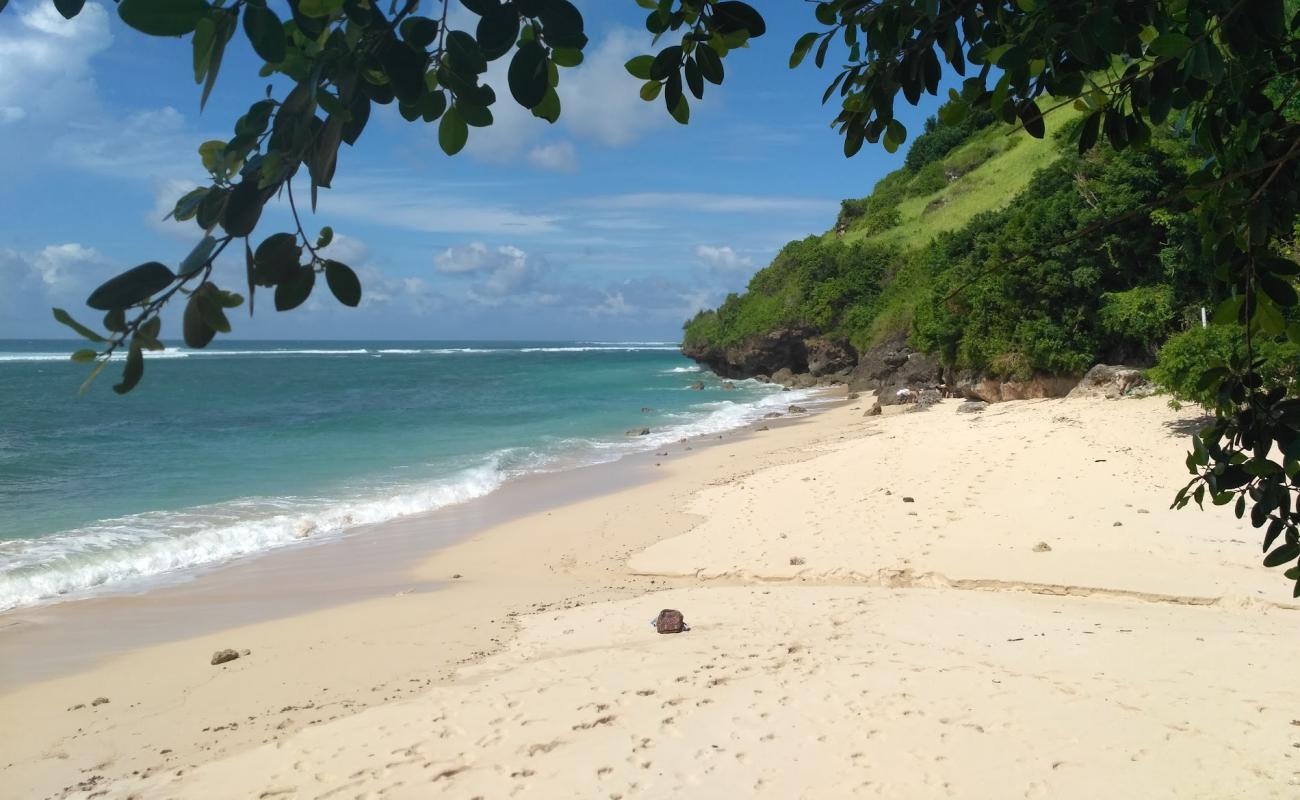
(822,602)
(274,584)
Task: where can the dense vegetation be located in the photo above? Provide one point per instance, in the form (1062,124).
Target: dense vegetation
(1087,292)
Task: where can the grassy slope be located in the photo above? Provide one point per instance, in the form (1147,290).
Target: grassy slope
(995,164)
(986,188)
(989,187)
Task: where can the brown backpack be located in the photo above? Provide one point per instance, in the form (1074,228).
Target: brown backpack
(670,621)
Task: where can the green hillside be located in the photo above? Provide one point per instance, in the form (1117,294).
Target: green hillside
(987,249)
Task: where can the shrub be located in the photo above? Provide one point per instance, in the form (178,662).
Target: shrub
(1144,313)
(1183,361)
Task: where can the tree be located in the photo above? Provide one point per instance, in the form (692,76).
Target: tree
(1225,72)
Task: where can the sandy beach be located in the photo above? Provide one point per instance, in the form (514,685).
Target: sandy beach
(986,605)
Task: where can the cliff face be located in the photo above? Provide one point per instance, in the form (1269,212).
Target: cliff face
(794,351)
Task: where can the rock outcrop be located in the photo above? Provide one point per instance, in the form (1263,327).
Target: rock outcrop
(793,357)
(1112,383)
(893,365)
(994,390)
(827,357)
(757,355)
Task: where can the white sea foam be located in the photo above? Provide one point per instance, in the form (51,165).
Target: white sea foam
(157,543)
(12,357)
(693,368)
(130,549)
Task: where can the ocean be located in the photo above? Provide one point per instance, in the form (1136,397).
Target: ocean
(247,447)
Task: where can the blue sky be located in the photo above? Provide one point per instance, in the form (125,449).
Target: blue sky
(614,224)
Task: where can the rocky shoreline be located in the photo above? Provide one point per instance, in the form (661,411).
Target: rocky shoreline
(800,358)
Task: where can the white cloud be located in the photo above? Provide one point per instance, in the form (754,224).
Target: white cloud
(716,203)
(558,157)
(498,272)
(57,274)
(598,102)
(147,144)
(723,257)
(425,208)
(62,267)
(46,60)
(599,99)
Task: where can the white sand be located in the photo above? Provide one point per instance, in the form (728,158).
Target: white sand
(921,649)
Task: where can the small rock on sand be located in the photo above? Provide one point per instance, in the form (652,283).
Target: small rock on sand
(99,701)
(797,410)
(909,499)
(874,411)
(972,406)
(1042,547)
(222,656)
(796,561)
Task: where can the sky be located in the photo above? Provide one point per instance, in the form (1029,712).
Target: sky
(614,224)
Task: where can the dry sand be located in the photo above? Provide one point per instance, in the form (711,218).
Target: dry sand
(845,642)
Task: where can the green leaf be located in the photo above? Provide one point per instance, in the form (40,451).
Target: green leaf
(196,333)
(84,356)
(466,56)
(133,371)
(265,32)
(549,108)
(68,8)
(694,81)
(528,75)
(1170,45)
(201,44)
(294,292)
(566,57)
(319,8)
(1283,554)
(276,259)
(82,331)
(197,257)
(729,17)
(639,67)
(115,321)
(188,205)
(666,63)
(497,31)
(801,49)
(650,90)
(1088,132)
(681,110)
(1032,118)
(475,116)
(562,24)
(710,64)
(243,208)
(453,132)
(343,283)
(225,28)
(419,31)
(1279,290)
(130,287)
(163,17)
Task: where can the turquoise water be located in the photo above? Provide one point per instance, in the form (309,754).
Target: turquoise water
(250,446)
